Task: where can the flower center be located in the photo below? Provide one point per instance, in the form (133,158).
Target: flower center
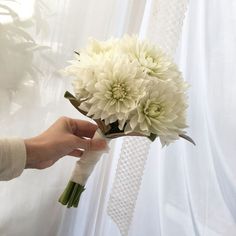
(148,64)
(153,109)
(119,91)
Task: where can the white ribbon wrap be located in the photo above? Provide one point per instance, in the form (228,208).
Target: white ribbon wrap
(163,21)
(85,165)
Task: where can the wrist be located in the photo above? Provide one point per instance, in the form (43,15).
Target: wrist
(32,152)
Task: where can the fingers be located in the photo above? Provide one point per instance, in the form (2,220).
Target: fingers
(90,144)
(82,128)
(76,153)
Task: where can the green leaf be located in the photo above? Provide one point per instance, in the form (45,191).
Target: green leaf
(77,53)
(76,103)
(24,46)
(186,137)
(25,24)
(65,196)
(68,95)
(12,13)
(19,32)
(152,137)
(114,128)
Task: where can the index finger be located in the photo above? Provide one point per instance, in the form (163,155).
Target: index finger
(82,128)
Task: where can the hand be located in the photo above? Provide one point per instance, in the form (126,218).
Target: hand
(65,137)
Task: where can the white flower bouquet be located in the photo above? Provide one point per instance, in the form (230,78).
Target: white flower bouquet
(128,87)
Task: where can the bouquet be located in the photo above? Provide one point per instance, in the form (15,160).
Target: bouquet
(129,87)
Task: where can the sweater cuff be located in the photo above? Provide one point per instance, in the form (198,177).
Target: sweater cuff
(12,158)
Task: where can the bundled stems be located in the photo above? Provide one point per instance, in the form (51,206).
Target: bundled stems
(71,194)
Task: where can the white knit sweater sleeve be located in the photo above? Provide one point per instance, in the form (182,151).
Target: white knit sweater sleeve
(12,158)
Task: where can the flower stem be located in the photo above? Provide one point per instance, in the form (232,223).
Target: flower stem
(72,197)
(77,198)
(65,197)
(71,194)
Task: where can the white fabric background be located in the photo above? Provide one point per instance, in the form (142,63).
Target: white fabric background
(186,190)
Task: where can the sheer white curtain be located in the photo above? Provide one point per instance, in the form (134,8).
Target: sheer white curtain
(186,190)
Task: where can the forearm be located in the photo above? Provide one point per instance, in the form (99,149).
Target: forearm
(12,158)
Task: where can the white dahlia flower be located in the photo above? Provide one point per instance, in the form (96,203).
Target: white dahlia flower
(101,47)
(85,70)
(117,90)
(150,57)
(84,79)
(162,111)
